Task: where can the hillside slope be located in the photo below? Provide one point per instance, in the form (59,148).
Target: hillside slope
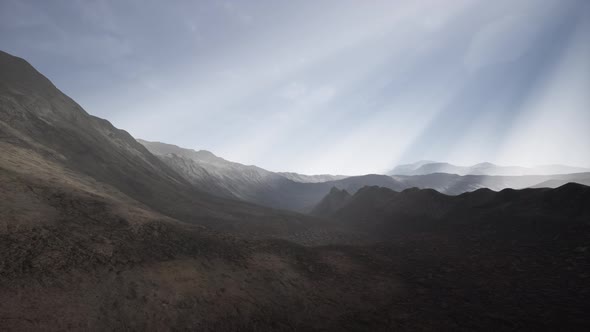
(37,120)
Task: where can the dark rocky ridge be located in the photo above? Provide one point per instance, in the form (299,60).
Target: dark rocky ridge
(387,212)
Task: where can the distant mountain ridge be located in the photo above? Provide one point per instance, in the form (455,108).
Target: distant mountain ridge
(301,193)
(453,184)
(207,158)
(224,178)
(386,212)
(429,167)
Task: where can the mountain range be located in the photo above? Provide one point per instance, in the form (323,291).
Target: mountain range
(387,213)
(429,167)
(100,231)
(301,193)
(233,180)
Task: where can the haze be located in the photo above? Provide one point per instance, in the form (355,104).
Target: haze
(341,87)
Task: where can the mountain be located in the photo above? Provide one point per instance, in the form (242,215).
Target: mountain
(301,193)
(40,123)
(217,175)
(222,168)
(253,184)
(453,184)
(302,197)
(224,178)
(388,212)
(428,167)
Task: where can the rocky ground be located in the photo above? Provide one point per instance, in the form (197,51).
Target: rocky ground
(160,277)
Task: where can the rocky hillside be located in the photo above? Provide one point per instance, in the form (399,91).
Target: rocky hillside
(221,177)
(41,129)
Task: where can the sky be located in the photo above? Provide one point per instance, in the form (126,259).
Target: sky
(340,87)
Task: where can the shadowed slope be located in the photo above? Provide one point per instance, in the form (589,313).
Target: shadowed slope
(387,213)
